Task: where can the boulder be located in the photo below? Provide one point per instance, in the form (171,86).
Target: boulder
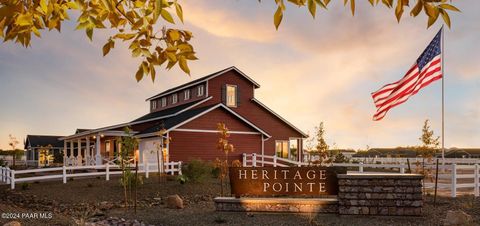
(174,202)
(12,223)
(457,217)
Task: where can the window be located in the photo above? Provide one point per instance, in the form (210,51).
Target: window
(174,98)
(231,95)
(200,90)
(164,102)
(281,148)
(154,104)
(187,94)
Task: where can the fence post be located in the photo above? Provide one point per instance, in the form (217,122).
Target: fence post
(274,160)
(476,184)
(360,167)
(64,169)
(12,179)
(402,168)
(7,175)
(244,160)
(107,171)
(254,160)
(180,168)
(146,168)
(3,176)
(454,180)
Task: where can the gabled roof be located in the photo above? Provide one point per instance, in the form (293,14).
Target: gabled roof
(146,118)
(203,79)
(43,141)
(279,117)
(81,130)
(174,122)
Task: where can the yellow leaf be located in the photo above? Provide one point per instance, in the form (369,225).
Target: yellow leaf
(352,6)
(445,17)
(312,7)
(179,10)
(449,7)
(277,18)
(89,32)
(108,46)
(174,35)
(182,62)
(72,5)
(166,15)
(124,36)
(43,6)
(24,20)
(158,9)
(35,31)
(416,9)
(139,74)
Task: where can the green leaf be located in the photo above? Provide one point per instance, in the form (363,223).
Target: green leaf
(166,15)
(277,18)
(158,9)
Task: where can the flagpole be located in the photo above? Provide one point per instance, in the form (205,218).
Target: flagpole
(443,98)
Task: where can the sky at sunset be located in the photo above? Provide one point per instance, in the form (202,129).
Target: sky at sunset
(310,70)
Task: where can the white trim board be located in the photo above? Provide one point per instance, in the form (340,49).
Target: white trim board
(131,123)
(214,131)
(205,112)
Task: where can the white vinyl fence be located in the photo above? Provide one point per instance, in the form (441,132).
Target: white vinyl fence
(12,177)
(453,176)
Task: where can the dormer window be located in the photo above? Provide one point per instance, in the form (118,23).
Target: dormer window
(231,95)
(174,98)
(200,90)
(164,101)
(187,94)
(154,104)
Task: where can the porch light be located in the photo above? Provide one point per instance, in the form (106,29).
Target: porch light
(94,137)
(101,135)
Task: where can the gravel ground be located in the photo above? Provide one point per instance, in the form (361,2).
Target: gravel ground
(95,199)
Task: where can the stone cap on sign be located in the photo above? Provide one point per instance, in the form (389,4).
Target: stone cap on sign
(380,175)
(277,200)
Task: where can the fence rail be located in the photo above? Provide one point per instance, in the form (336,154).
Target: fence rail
(12,177)
(455,174)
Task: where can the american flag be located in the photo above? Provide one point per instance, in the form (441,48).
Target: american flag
(426,69)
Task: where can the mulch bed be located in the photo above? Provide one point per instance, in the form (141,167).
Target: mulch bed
(97,200)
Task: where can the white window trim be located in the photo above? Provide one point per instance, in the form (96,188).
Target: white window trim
(200,88)
(185,96)
(226,95)
(154,104)
(164,101)
(174,98)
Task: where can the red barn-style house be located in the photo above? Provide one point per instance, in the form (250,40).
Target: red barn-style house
(189,114)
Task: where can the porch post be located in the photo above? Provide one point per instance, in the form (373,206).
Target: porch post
(79,154)
(87,150)
(71,149)
(98,157)
(168,147)
(64,151)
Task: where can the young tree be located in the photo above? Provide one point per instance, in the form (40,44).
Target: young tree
(224,146)
(429,141)
(321,149)
(142,24)
(127,155)
(14,152)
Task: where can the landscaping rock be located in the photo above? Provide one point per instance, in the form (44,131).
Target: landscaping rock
(12,223)
(174,202)
(457,217)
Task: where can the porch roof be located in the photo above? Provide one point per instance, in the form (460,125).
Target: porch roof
(187,116)
(167,112)
(42,141)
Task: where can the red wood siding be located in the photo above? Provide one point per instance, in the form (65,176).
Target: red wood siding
(186,146)
(209,121)
(250,110)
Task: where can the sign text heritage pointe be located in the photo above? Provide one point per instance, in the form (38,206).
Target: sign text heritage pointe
(274,181)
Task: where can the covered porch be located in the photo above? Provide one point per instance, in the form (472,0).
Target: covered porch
(92,147)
